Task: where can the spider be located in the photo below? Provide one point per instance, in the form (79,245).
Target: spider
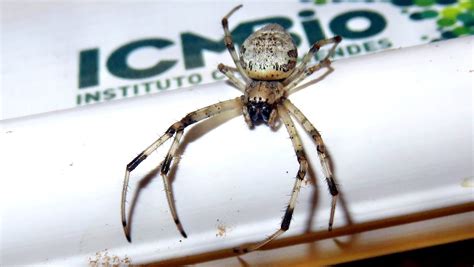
(267,65)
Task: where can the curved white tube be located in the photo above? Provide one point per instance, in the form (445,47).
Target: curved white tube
(398,126)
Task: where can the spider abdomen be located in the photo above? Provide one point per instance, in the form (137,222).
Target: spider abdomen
(269,54)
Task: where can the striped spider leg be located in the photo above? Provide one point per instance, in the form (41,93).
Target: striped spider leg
(176,130)
(303,167)
(301,72)
(322,154)
(286,108)
(229,43)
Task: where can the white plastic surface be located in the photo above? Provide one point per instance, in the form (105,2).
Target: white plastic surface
(398,127)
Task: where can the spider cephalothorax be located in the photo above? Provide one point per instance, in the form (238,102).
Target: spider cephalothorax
(267,66)
(260,101)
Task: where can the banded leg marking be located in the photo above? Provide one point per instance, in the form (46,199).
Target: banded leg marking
(229,43)
(323,156)
(303,166)
(175,129)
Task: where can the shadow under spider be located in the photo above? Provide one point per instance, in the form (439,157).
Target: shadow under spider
(341,202)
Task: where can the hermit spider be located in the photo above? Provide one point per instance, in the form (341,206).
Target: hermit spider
(267,65)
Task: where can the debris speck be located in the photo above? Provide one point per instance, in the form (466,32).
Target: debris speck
(102,258)
(222,229)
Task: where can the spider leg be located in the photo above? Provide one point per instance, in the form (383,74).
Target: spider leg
(272,121)
(323,156)
(310,70)
(245,113)
(299,150)
(229,43)
(165,167)
(228,71)
(233,69)
(176,128)
(299,73)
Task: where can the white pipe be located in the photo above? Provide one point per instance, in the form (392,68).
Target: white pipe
(398,126)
